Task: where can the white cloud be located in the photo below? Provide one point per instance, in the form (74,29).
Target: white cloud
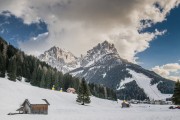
(168,71)
(78,25)
(35,44)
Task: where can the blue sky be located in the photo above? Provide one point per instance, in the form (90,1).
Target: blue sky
(78,25)
(14,30)
(166,48)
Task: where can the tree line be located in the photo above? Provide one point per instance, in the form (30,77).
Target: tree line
(17,65)
(176,95)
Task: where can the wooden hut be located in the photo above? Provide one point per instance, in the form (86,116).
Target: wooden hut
(71,90)
(34,107)
(125,104)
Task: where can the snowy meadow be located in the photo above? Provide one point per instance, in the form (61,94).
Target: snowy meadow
(63,106)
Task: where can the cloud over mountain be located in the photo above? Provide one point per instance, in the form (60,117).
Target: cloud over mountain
(168,70)
(77,25)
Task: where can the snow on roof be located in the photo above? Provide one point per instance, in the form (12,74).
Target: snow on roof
(71,89)
(125,102)
(36,101)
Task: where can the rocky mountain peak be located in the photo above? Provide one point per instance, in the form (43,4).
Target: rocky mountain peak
(58,54)
(103,48)
(65,61)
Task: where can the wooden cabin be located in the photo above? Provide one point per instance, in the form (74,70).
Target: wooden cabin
(125,104)
(71,90)
(34,107)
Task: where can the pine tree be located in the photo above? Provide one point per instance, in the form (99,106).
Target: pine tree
(12,68)
(48,79)
(34,77)
(67,81)
(176,95)
(83,93)
(39,76)
(19,66)
(76,83)
(60,80)
(105,93)
(56,81)
(2,65)
(43,84)
(27,75)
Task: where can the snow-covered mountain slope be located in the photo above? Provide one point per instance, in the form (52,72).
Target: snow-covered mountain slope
(103,65)
(63,106)
(144,82)
(61,59)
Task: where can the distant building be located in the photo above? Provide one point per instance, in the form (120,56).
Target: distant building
(159,102)
(145,101)
(169,102)
(169,99)
(133,101)
(125,104)
(34,107)
(71,90)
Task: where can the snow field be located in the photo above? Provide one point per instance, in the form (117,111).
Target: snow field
(144,83)
(63,106)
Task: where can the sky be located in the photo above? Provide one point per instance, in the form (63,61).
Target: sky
(144,32)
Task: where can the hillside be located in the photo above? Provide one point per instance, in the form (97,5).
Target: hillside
(63,106)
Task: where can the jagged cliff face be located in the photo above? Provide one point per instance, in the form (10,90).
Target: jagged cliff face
(99,54)
(61,59)
(103,65)
(55,53)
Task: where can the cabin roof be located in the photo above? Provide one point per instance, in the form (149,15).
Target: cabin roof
(36,101)
(125,102)
(71,89)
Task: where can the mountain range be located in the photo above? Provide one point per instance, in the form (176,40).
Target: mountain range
(103,65)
